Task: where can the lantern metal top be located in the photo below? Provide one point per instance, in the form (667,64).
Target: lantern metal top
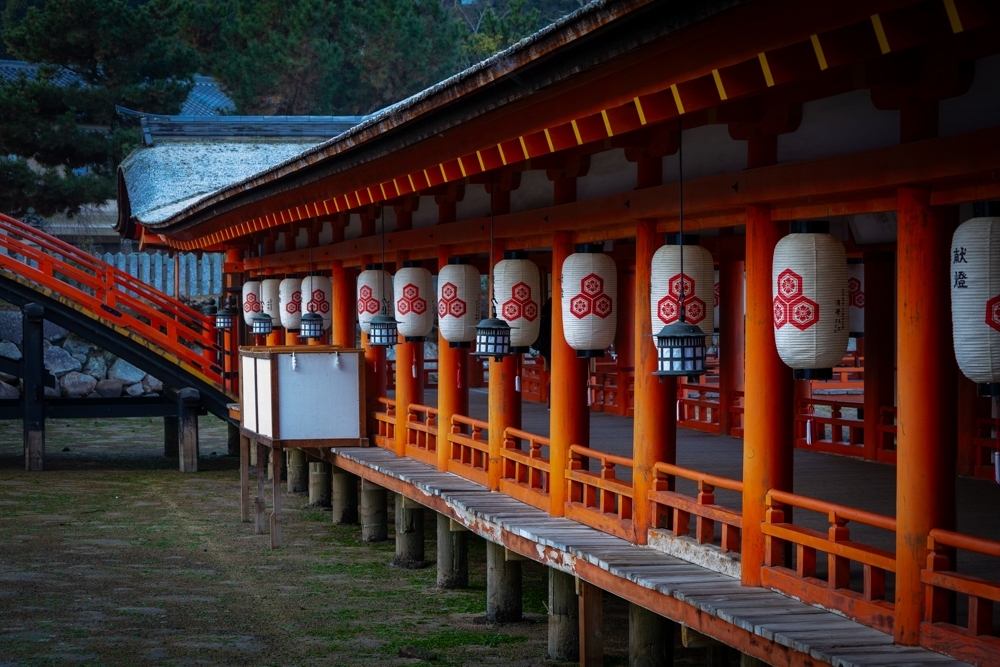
(311,325)
(224,318)
(261,324)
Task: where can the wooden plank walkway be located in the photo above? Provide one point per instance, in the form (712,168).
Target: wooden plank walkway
(777,629)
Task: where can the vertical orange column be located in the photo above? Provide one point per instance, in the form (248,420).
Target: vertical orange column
(344,325)
(655,427)
(731,337)
(767,426)
(880,344)
(569,418)
(230,337)
(625,338)
(925,440)
(408,387)
(453,382)
(504,401)
(375,379)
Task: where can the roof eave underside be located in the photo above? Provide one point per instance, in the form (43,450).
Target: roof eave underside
(584,40)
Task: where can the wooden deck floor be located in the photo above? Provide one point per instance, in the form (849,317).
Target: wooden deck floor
(773,627)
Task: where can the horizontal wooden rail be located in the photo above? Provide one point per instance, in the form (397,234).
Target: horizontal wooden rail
(976,642)
(867,606)
(673,510)
(525,474)
(430,368)
(385,419)
(599,500)
(834,433)
(469,454)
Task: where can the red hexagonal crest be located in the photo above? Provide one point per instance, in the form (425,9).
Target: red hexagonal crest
(694,310)
(295,304)
(449,291)
(521,292)
(603,305)
(789,284)
(529,311)
(716,300)
(456,308)
(674,285)
(579,305)
(854,293)
(666,309)
(780,313)
(371,305)
(443,307)
(803,313)
(511,310)
(252,304)
(592,285)
(366,292)
(993,312)
(410,291)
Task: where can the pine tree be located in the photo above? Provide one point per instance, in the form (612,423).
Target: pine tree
(59,133)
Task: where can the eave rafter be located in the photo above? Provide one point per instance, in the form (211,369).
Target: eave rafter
(727,88)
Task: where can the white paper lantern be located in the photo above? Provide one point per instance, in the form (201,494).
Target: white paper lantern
(715,300)
(317,297)
(698,282)
(810,306)
(975,301)
(458,303)
(270,301)
(290,299)
(589,300)
(856,296)
(374,296)
(517,292)
(251,301)
(415,307)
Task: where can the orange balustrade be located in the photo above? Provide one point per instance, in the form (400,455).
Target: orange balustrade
(673,510)
(799,578)
(534,380)
(525,473)
(386,422)
(977,642)
(430,373)
(470,454)
(698,407)
(985,444)
(833,433)
(422,433)
(736,415)
(123,302)
(599,500)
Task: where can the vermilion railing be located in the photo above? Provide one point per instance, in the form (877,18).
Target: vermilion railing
(799,579)
(977,642)
(430,373)
(534,380)
(469,454)
(677,509)
(385,419)
(422,433)
(698,407)
(525,474)
(599,500)
(158,321)
(834,433)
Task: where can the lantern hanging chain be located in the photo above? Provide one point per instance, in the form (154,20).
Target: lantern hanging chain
(493,304)
(385,302)
(309,304)
(680,212)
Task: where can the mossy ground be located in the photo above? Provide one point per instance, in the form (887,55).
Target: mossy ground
(112,557)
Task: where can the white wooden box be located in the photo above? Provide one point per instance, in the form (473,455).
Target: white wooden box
(302,395)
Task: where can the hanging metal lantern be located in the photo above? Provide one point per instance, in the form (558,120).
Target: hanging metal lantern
(383,331)
(374,295)
(317,297)
(589,300)
(809,284)
(856,296)
(680,350)
(697,284)
(975,297)
(270,301)
(517,293)
(251,301)
(493,339)
(413,287)
(224,318)
(261,324)
(458,303)
(311,326)
(290,302)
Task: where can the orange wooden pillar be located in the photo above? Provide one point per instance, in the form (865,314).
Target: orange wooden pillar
(767,425)
(453,382)
(880,344)
(569,418)
(925,441)
(625,340)
(731,337)
(409,386)
(504,402)
(344,328)
(655,424)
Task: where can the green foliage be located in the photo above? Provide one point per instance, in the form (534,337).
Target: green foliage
(494,26)
(58,129)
